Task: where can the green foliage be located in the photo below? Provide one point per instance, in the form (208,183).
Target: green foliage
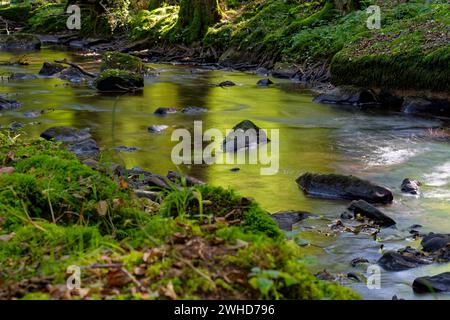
(18,13)
(48,18)
(155,24)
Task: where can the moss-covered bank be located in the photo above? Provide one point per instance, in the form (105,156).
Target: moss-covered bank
(199,242)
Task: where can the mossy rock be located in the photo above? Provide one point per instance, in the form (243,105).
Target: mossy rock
(115,80)
(19,42)
(18,13)
(122,61)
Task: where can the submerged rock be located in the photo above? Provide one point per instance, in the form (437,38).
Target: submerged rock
(66,134)
(51,68)
(335,186)
(410,186)
(361,207)
(396,261)
(162,111)
(72,74)
(226,84)
(6,104)
(22,76)
(19,41)
(126,149)
(434,242)
(194,110)
(157,128)
(114,80)
(85,149)
(433,284)
(264,82)
(245,134)
(423,106)
(33,113)
(348,95)
(286,219)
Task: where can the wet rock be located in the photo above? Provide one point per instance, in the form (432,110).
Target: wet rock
(152,195)
(6,104)
(325,276)
(33,113)
(114,80)
(361,207)
(284,70)
(22,76)
(348,95)
(435,241)
(226,84)
(16,126)
(126,149)
(66,134)
(423,106)
(194,110)
(410,186)
(396,261)
(335,186)
(19,42)
(355,276)
(264,82)
(433,284)
(72,75)
(389,100)
(177,178)
(235,169)
(85,149)
(51,68)
(139,179)
(94,164)
(245,134)
(157,128)
(357,261)
(122,61)
(162,111)
(286,219)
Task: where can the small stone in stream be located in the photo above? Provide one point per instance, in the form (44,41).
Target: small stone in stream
(355,276)
(157,128)
(394,297)
(227,84)
(177,178)
(286,219)
(435,241)
(326,276)
(433,284)
(245,134)
(235,169)
(358,261)
(410,186)
(335,186)
(126,149)
(415,226)
(85,149)
(139,179)
(6,104)
(91,163)
(51,68)
(368,211)
(16,126)
(164,111)
(396,261)
(264,82)
(348,95)
(7,170)
(33,113)
(72,75)
(66,134)
(194,110)
(19,41)
(347,215)
(22,76)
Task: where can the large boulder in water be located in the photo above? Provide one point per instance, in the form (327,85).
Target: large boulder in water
(361,207)
(19,42)
(118,81)
(335,186)
(348,95)
(435,241)
(398,261)
(433,284)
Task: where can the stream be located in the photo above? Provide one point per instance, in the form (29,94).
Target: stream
(380,146)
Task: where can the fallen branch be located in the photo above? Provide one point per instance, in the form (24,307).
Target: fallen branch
(74,65)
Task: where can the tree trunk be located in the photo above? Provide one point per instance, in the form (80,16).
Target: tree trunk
(196,16)
(346,6)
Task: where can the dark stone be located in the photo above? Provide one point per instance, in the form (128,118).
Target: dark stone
(435,241)
(390,101)
(252,134)
(325,276)
(348,95)
(335,186)
(395,261)
(16,126)
(157,128)
(226,84)
(51,68)
(151,195)
(19,42)
(346,215)
(33,113)
(119,81)
(177,178)
(72,75)
(138,179)
(22,76)
(6,104)
(235,169)
(66,134)
(355,276)
(287,219)
(358,261)
(423,106)
(85,149)
(264,82)
(194,110)
(164,111)
(368,211)
(410,186)
(433,284)
(126,149)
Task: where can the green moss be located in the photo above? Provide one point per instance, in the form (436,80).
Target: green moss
(122,61)
(18,13)
(154,25)
(48,18)
(118,80)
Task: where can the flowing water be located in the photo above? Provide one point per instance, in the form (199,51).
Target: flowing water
(382,147)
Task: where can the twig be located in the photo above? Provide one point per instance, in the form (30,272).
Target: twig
(74,65)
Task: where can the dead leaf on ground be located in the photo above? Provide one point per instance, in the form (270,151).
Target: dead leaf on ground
(102,208)
(169,291)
